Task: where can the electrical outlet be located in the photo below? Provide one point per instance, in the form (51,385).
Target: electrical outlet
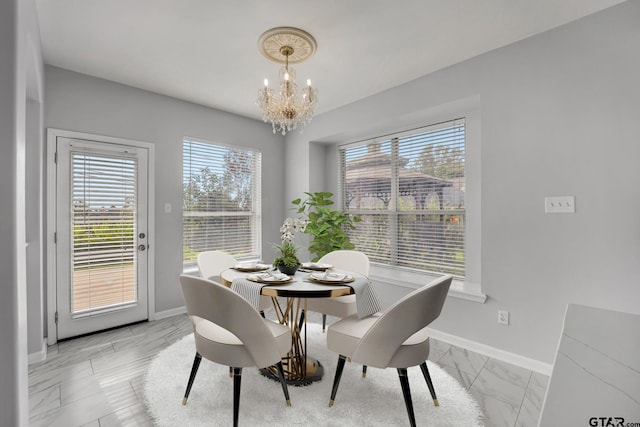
(503,317)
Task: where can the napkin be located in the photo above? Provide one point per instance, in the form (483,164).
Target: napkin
(269,276)
(248,290)
(366,299)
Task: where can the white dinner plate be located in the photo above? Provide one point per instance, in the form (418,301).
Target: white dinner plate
(247,268)
(331,278)
(317,266)
(275,279)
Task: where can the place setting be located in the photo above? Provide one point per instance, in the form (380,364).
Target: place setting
(270,278)
(251,266)
(315,266)
(328,277)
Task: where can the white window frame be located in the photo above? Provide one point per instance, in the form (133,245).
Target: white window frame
(470,287)
(256,197)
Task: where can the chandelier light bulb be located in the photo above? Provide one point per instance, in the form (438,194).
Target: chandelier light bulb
(309,82)
(266,82)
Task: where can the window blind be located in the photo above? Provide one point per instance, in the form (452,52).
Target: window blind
(104,197)
(408,189)
(221,200)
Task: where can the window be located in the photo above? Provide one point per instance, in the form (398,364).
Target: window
(408,189)
(221,200)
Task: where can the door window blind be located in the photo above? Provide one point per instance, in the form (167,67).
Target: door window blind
(408,189)
(221,200)
(103,222)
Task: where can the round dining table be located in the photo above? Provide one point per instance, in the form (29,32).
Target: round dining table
(289,302)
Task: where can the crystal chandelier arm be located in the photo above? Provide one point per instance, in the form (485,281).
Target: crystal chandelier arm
(285,108)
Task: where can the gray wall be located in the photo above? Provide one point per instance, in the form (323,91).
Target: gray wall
(82,103)
(21,72)
(559,116)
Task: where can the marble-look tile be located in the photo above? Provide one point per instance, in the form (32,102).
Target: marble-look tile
(176,335)
(539,379)
(437,349)
(183,322)
(78,413)
(464,378)
(94,423)
(497,413)
(137,383)
(531,406)
(44,400)
(52,350)
(39,381)
(131,416)
(502,381)
(144,340)
(120,358)
(95,340)
(114,389)
(151,327)
(63,359)
(467,363)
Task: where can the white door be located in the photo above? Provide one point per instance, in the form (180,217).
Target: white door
(101,235)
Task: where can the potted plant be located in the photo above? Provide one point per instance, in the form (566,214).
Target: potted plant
(327,226)
(288,262)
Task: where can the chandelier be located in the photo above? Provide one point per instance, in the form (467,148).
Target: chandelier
(285,108)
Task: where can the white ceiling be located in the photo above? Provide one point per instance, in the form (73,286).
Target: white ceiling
(205,51)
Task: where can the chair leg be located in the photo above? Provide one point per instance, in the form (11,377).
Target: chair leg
(364,371)
(301,321)
(230,372)
(324,322)
(262,314)
(192,376)
(406,391)
(336,381)
(285,389)
(237,378)
(427,377)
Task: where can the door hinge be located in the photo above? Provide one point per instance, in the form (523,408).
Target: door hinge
(56,317)
(55,237)
(55,157)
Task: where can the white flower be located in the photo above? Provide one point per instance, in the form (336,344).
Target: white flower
(300,224)
(290,226)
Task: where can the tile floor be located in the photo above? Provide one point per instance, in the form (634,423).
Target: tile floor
(97,380)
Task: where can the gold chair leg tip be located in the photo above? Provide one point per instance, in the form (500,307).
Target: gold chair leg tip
(330,403)
(435,402)
(184,401)
(364,375)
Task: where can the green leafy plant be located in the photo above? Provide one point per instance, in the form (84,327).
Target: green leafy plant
(288,251)
(328,227)
(288,255)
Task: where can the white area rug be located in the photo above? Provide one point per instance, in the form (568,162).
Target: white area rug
(372,401)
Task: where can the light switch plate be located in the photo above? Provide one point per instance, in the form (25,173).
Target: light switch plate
(559,204)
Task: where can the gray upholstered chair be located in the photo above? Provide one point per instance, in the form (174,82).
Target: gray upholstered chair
(396,338)
(229,331)
(212,263)
(354,261)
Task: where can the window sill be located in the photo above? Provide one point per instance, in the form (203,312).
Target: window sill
(410,279)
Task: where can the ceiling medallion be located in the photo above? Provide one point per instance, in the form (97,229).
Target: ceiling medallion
(286,108)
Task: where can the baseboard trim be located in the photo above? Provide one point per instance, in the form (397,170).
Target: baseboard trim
(38,356)
(172,312)
(494,353)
